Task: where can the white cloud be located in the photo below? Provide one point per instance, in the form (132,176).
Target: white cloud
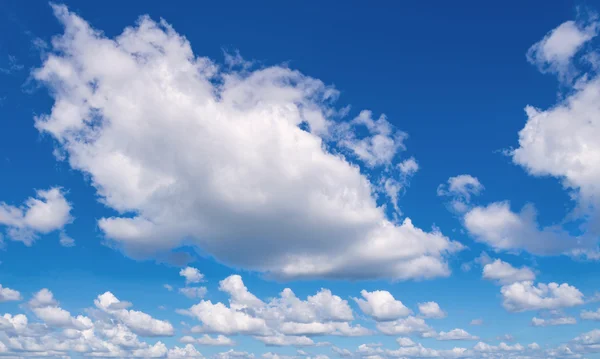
(196,160)
(590,315)
(460,188)
(540,322)
(189,351)
(556,50)
(218,318)
(456,334)
(431,310)
(560,141)
(406,326)
(380,147)
(46,308)
(381,305)
(49,212)
(191,275)
(139,322)
(504,273)
(7,294)
(409,166)
(500,228)
(405,342)
(284,316)
(219,340)
(522,296)
(193,292)
(168,287)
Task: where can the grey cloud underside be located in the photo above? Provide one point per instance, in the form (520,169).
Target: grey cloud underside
(191,154)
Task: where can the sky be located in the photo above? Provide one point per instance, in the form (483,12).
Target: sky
(309,180)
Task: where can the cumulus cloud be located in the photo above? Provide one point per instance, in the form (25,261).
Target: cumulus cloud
(456,334)
(522,296)
(560,141)
(191,275)
(139,322)
(406,326)
(431,310)
(502,229)
(381,305)
(48,211)
(282,319)
(225,159)
(504,273)
(590,315)
(554,53)
(460,188)
(46,308)
(7,294)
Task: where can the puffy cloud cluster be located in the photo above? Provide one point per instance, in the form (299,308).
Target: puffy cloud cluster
(283,321)
(110,332)
(226,159)
(47,212)
(138,322)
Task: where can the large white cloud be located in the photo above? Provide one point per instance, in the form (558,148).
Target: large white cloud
(194,155)
(561,141)
(48,212)
(521,296)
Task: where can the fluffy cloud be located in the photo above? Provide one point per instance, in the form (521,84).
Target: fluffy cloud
(48,212)
(561,141)
(7,294)
(460,188)
(284,319)
(556,50)
(406,326)
(590,315)
(502,229)
(191,275)
(139,322)
(431,310)
(200,154)
(46,308)
(522,296)
(381,305)
(456,334)
(504,273)
(540,322)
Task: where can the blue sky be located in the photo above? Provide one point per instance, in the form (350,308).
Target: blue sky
(281,181)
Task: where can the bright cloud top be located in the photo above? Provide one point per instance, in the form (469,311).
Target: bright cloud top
(196,154)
